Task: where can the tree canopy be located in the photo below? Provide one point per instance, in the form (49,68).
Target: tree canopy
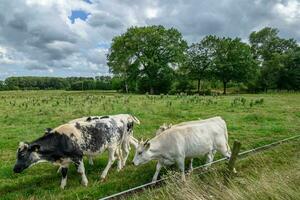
(274,55)
(147,55)
(199,60)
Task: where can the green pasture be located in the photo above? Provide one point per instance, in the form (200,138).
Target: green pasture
(254,119)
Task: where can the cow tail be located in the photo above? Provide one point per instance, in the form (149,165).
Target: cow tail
(226,138)
(135,119)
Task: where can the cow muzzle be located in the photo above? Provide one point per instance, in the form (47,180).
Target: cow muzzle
(18,169)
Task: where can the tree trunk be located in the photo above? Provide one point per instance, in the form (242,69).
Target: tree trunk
(198,87)
(151,90)
(126,87)
(224,87)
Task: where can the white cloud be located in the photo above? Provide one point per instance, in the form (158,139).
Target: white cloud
(151,13)
(38,38)
(289,11)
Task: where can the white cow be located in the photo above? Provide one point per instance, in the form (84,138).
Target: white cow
(185,140)
(166,126)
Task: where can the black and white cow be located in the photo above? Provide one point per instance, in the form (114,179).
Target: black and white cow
(122,153)
(68,143)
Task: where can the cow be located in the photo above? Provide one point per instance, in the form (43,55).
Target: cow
(166,126)
(124,150)
(185,140)
(69,142)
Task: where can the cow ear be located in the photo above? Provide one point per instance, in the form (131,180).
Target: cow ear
(23,145)
(147,145)
(142,141)
(146,141)
(34,147)
(170,125)
(48,130)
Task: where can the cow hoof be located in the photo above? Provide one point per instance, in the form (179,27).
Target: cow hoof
(84,183)
(119,169)
(62,186)
(102,179)
(234,171)
(91,163)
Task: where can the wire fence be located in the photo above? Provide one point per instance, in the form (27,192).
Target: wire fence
(254,150)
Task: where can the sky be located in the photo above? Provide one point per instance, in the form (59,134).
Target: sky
(72,37)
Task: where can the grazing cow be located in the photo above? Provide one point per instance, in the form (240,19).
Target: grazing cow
(68,143)
(185,140)
(166,126)
(124,150)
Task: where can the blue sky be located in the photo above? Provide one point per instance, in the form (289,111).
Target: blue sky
(81,14)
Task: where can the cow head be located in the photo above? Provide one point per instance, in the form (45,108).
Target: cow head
(27,155)
(162,128)
(142,154)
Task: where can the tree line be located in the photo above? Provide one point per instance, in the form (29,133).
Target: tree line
(57,83)
(155,59)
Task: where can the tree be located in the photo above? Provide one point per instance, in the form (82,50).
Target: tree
(266,42)
(232,60)
(199,59)
(271,52)
(289,74)
(147,53)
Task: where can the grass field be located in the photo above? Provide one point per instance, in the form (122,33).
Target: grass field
(253,119)
(271,174)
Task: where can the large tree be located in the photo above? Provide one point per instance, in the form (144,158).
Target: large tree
(266,42)
(273,53)
(289,73)
(199,59)
(232,60)
(148,54)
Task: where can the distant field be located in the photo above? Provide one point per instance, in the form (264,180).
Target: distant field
(253,119)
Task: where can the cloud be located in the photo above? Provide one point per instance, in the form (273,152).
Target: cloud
(72,37)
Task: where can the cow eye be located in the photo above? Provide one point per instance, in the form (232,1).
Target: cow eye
(140,152)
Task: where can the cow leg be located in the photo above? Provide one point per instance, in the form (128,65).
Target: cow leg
(64,172)
(125,149)
(91,162)
(81,170)
(191,165)
(59,170)
(120,159)
(158,168)
(210,158)
(111,160)
(180,163)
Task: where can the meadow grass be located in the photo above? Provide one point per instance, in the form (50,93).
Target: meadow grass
(271,174)
(253,119)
